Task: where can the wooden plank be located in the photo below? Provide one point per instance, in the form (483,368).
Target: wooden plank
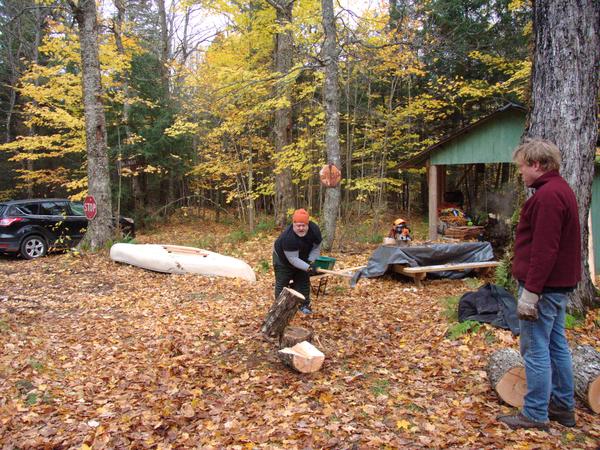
(340,272)
(444,267)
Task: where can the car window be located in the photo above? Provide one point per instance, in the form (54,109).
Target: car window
(53,209)
(28,209)
(77,208)
(2,209)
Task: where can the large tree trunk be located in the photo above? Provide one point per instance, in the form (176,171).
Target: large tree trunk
(100,229)
(586,374)
(564,102)
(332,122)
(284,47)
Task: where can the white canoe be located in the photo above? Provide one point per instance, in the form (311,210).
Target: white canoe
(179,259)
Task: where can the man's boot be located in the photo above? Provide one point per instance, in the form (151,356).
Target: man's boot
(561,415)
(520,421)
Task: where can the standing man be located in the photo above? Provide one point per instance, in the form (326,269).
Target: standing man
(547,264)
(296,248)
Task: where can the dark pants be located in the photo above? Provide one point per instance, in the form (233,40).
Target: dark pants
(285,274)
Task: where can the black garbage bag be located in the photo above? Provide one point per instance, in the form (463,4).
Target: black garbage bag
(490,304)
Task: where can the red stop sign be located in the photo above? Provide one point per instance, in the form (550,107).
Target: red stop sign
(89,207)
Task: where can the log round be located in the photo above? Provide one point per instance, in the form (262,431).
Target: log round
(506,373)
(281,312)
(586,374)
(294,335)
(303,357)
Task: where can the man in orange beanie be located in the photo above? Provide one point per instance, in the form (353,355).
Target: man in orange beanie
(294,253)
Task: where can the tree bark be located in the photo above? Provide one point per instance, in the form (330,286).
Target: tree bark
(284,47)
(586,373)
(506,373)
(564,103)
(118,32)
(100,229)
(281,313)
(332,121)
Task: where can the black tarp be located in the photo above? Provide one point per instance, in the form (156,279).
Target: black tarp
(425,255)
(490,304)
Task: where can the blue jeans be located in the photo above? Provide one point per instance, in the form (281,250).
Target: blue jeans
(548,366)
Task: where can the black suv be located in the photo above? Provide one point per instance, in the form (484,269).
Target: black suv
(31,227)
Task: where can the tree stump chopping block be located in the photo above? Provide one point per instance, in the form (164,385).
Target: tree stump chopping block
(506,373)
(281,312)
(294,335)
(586,374)
(303,357)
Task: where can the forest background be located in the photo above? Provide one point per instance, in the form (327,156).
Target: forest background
(192,107)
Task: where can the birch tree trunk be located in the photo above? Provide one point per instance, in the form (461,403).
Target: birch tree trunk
(100,229)
(332,121)
(284,195)
(564,103)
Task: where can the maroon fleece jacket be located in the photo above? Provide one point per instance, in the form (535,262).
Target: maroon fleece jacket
(548,240)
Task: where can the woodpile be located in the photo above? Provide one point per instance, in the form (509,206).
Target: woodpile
(586,372)
(506,373)
(294,335)
(281,312)
(466,232)
(295,349)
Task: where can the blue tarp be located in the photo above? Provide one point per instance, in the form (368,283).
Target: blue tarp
(425,255)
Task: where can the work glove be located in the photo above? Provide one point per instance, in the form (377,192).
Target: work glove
(312,270)
(527,305)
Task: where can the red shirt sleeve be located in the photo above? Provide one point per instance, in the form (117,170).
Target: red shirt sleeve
(547,220)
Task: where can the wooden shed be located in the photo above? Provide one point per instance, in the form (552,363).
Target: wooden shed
(491,139)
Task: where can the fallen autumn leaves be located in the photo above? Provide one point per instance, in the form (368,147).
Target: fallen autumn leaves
(101,355)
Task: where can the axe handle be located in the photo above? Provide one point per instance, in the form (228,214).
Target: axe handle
(339,273)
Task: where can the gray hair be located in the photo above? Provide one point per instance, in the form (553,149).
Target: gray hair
(539,150)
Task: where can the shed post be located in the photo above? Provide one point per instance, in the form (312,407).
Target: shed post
(433,181)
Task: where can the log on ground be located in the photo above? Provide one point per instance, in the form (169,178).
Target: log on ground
(586,374)
(281,312)
(506,373)
(303,357)
(294,335)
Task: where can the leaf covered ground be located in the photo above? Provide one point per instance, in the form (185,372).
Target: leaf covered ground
(102,355)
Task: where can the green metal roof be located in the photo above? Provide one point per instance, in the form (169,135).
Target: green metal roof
(491,139)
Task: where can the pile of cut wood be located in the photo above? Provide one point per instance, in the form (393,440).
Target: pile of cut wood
(295,347)
(507,375)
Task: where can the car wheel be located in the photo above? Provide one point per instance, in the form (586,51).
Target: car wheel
(33,247)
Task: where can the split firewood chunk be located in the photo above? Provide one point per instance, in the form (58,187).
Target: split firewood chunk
(303,357)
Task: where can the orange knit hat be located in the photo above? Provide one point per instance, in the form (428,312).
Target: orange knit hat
(301,216)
